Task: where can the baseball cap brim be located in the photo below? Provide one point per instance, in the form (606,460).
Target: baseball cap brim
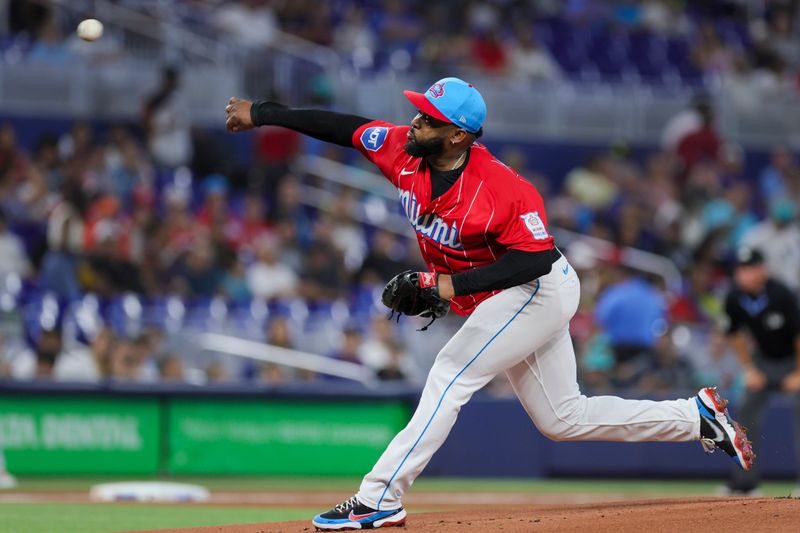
(423,104)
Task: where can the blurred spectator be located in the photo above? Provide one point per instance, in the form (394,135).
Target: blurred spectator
(267,277)
(129,170)
(249,22)
(778,238)
(383,261)
(347,236)
(272,374)
(215,215)
(374,351)
(165,121)
(591,184)
(13,258)
(698,303)
(196,273)
(393,369)
(47,160)
(90,363)
(77,143)
(133,360)
(530,61)
(489,53)
(664,17)
(13,160)
(38,361)
(669,370)
(597,363)
(234,281)
(681,124)
(784,38)
(48,349)
(144,347)
(279,335)
(109,249)
(709,52)
(730,213)
(347,350)
(50,46)
(322,277)
(253,225)
(443,51)
(701,143)
(170,368)
(398,25)
(781,177)
(354,37)
(65,238)
(274,148)
(216,373)
(26,16)
(633,315)
(289,207)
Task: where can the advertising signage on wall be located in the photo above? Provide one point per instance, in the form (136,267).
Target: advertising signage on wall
(94,434)
(55,434)
(280,437)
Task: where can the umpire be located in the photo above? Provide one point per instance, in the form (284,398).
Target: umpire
(769,312)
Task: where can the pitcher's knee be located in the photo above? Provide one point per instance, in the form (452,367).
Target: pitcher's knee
(563,423)
(556,431)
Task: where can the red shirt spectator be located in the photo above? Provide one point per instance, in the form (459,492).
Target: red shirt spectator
(489,53)
(698,146)
(276,145)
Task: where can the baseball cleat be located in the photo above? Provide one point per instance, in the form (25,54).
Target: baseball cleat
(352,514)
(719,430)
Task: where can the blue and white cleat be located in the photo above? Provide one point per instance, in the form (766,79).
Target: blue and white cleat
(352,514)
(719,430)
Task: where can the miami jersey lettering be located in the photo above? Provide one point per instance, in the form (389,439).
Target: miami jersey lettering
(461,229)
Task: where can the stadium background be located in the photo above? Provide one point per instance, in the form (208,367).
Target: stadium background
(172,296)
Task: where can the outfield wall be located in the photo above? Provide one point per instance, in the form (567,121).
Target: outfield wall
(148,430)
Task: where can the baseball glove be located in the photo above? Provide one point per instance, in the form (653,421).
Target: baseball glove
(415,293)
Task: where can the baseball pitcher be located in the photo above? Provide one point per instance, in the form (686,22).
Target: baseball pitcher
(482,230)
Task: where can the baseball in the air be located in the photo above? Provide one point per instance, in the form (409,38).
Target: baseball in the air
(90,29)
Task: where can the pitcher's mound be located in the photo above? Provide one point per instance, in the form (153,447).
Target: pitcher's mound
(695,514)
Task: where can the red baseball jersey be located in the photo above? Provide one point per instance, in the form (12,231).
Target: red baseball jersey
(489,210)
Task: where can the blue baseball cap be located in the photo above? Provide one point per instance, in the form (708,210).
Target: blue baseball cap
(452,100)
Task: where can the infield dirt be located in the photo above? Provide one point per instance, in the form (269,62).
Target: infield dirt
(673,515)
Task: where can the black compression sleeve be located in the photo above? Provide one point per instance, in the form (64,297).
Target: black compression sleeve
(328,126)
(514,268)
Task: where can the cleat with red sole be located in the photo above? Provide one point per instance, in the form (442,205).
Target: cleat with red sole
(719,430)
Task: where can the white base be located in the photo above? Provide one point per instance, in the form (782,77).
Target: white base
(7,481)
(148,491)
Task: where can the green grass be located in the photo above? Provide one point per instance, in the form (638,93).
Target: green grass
(103,518)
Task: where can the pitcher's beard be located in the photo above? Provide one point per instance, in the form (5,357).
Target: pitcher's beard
(424,148)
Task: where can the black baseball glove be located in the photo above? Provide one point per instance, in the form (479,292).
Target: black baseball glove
(415,293)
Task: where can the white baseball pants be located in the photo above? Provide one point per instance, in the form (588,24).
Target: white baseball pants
(524,332)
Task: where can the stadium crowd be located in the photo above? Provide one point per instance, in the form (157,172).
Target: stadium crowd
(103,213)
(752,46)
(155,209)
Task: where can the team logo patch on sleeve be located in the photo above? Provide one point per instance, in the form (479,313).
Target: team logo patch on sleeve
(374,137)
(535,225)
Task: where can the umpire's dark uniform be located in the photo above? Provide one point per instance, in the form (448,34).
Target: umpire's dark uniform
(769,311)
